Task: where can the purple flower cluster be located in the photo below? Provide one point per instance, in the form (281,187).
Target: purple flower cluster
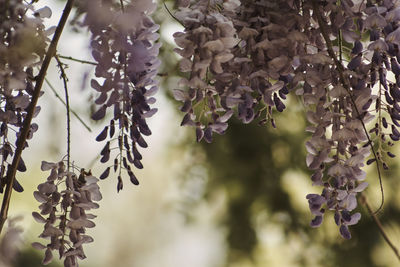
(65,200)
(205,46)
(22,46)
(123,44)
(244,57)
(382,22)
(260,72)
(239,57)
(345,98)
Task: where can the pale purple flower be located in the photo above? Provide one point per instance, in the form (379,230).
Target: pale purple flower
(124,46)
(65,201)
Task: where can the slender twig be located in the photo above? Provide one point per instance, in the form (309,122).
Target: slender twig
(11,171)
(65,80)
(380,227)
(340,37)
(78,60)
(172,15)
(122,6)
(342,79)
(65,104)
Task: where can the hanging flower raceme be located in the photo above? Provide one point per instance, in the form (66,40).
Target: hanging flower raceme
(23,40)
(205,46)
(66,198)
(123,44)
(259,76)
(343,99)
(264,56)
(245,56)
(239,56)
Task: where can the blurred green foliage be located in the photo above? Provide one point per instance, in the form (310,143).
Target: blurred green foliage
(247,164)
(30,257)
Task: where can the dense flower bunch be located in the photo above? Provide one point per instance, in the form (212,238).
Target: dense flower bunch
(259,73)
(205,46)
(258,56)
(22,46)
(242,62)
(122,43)
(66,198)
(345,99)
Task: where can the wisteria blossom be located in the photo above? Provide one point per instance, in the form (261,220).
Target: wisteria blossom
(23,42)
(66,198)
(123,44)
(249,66)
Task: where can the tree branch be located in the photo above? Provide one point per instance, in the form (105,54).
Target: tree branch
(11,171)
(380,227)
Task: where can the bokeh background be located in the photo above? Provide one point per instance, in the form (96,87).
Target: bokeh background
(239,201)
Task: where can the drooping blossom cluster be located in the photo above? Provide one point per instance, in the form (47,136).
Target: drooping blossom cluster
(346,98)
(270,54)
(242,62)
(205,46)
(23,41)
(66,198)
(123,44)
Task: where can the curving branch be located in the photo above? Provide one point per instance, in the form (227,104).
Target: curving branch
(11,171)
(380,226)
